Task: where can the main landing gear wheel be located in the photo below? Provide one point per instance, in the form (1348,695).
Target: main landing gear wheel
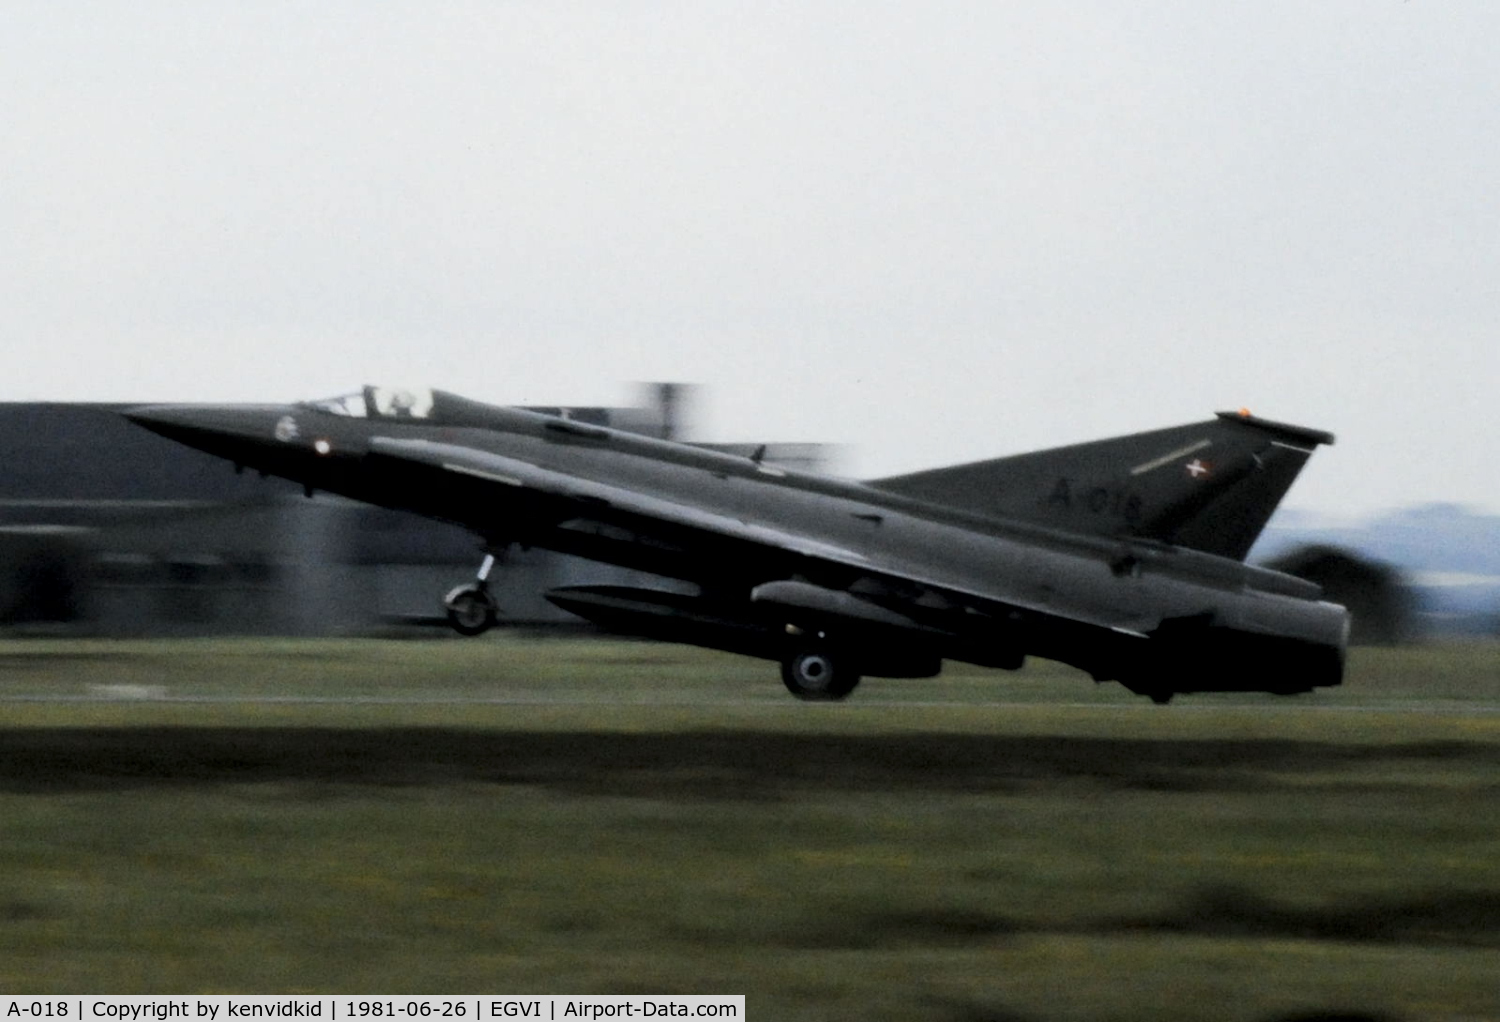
(818,675)
(471,609)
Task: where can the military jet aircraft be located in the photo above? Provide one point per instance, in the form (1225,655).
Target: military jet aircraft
(1123,557)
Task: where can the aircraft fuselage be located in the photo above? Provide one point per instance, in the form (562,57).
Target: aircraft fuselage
(785,560)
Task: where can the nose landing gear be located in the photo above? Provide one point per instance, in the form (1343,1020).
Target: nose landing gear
(471,608)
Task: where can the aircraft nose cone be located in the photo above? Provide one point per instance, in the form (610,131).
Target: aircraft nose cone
(161,418)
(227,430)
(190,423)
(239,419)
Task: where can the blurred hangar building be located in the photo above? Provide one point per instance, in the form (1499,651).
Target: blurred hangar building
(107,529)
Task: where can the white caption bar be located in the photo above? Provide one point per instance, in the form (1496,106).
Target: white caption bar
(372,1007)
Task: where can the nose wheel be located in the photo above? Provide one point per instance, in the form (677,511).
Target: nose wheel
(471,608)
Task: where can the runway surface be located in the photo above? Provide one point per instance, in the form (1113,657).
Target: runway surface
(1180,705)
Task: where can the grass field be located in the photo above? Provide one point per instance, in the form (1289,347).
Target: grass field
(616,817)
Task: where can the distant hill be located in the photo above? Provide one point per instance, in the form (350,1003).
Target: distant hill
(1448,555)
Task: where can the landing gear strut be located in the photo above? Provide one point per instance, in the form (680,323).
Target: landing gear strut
(471,608)
(818,674)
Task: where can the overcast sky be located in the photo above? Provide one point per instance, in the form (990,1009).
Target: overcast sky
(934,231)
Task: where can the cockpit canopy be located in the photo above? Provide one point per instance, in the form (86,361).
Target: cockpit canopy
(380,403)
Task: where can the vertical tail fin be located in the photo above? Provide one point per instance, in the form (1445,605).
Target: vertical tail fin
(1210,486)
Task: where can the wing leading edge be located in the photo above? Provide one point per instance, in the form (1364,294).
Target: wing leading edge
(617,504)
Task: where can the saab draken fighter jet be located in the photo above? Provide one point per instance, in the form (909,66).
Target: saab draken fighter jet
(1123,557)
